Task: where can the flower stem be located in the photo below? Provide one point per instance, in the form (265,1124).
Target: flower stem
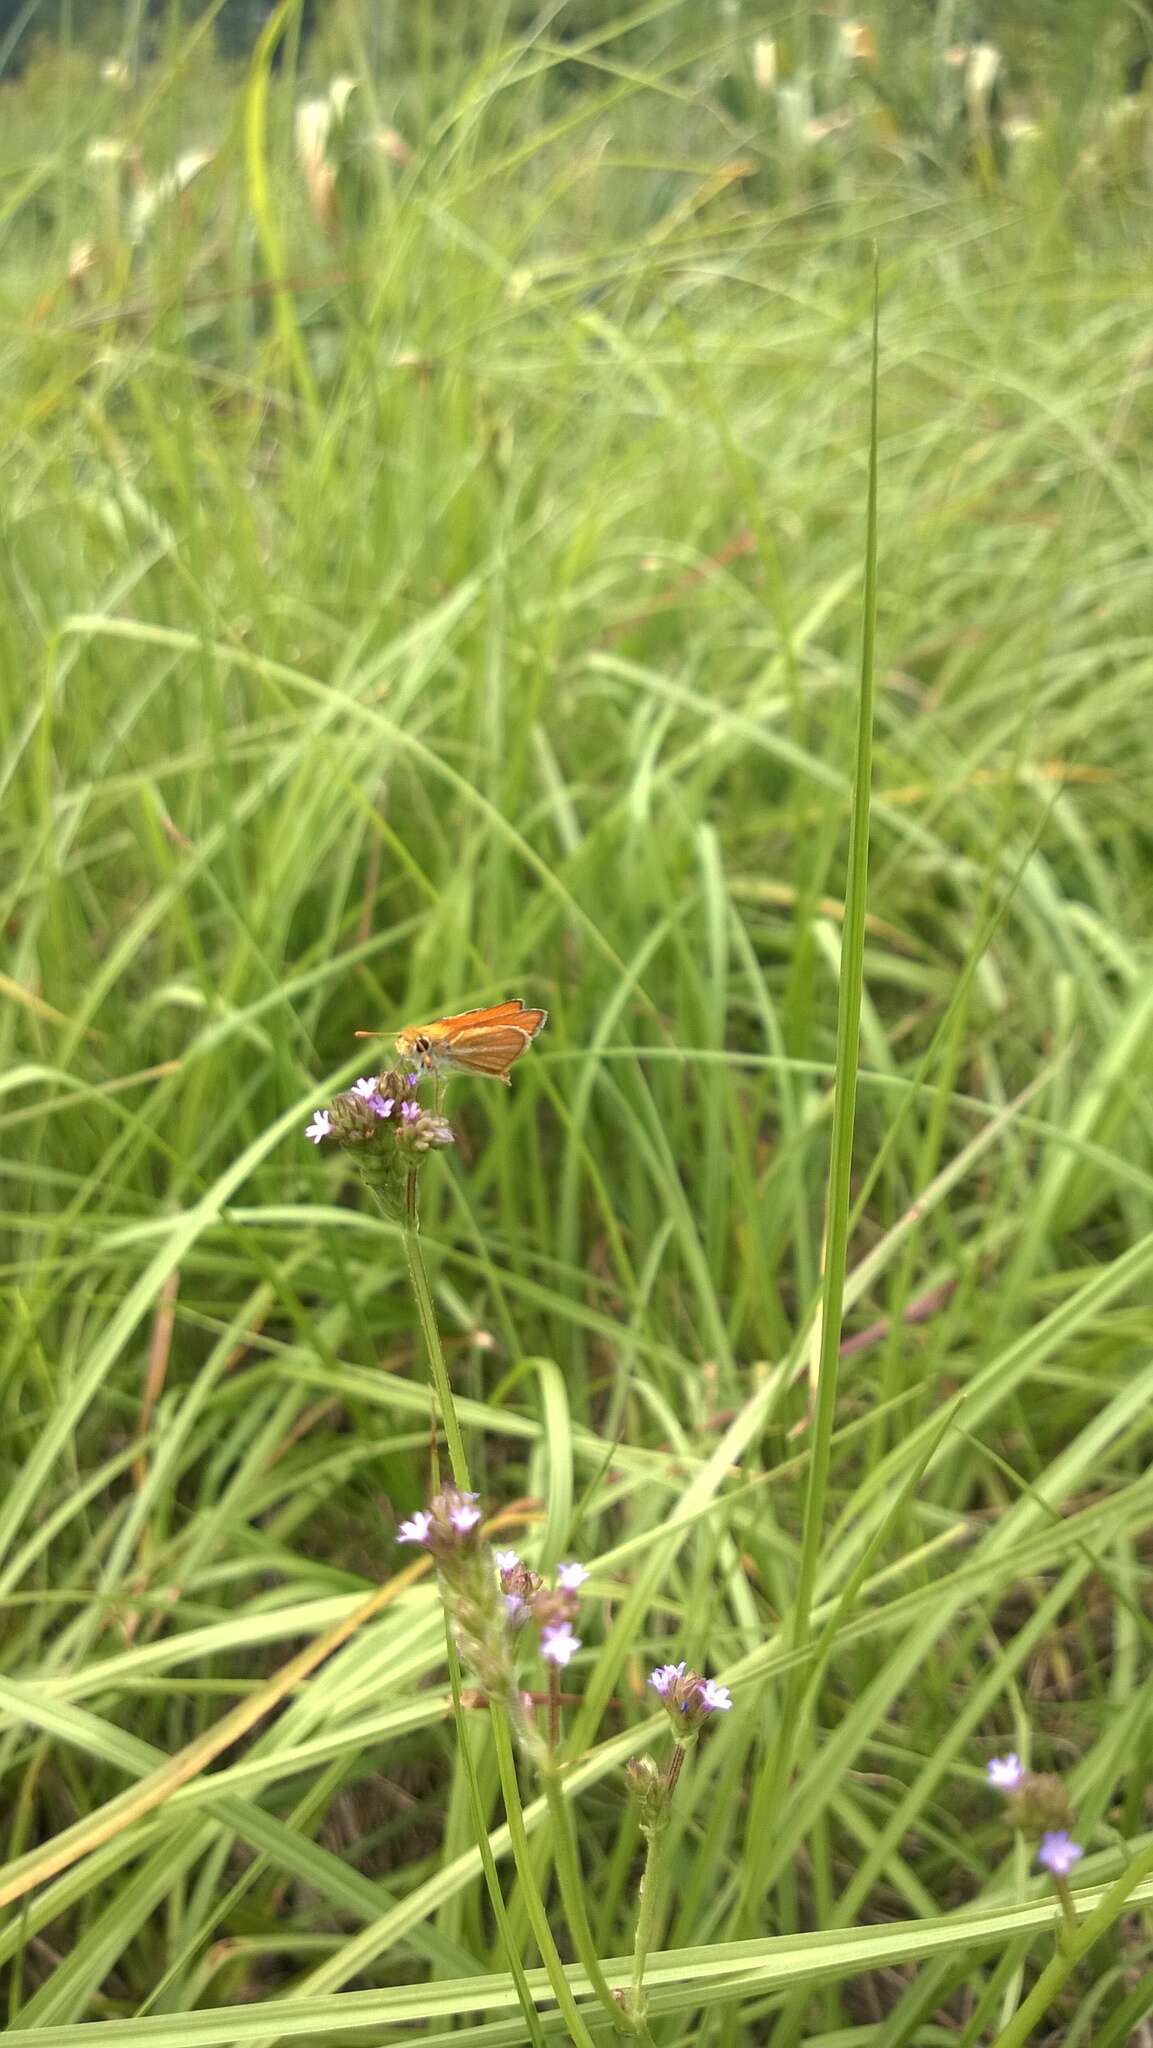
(1023,2026)
(484,1846)
(1065,1896)
(674,1770)
(647,1929)
(422,1295)
(572,1889)
(538,1916)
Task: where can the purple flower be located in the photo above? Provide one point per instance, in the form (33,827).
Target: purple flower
(414,1080)
(570,1577)
(1058,1854)
(1005,1772)
(465,1516)
(410,1111)
(664,1676)
(505,1560)
(366,1089)
(416,1530)
(515,1606)
(320,1126)
(714,1698)
(558,1643)
(381,1105)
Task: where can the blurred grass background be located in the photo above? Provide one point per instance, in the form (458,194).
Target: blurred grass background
(433,536)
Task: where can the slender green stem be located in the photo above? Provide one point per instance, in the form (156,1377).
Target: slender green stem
(792,1723)
(848,1040)
(1022,2028)
(1069,1911)
(567,1859)
(648,1927)
(652,1883)
(422,1295)
(538,1916)
(484,1846)
(458,1459)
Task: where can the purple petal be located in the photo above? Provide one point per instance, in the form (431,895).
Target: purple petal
(320,1127)
(715,1699)
(416,1529)
(558,1643)
(1058,1854)
(1005,1772)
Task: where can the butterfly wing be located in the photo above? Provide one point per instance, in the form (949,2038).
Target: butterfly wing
(495,1013)
(484,1041)
(487,1048)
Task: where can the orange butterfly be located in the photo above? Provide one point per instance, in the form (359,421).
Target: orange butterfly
(475,1042)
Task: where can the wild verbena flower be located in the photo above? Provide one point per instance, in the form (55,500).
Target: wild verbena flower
(473,1594)
(715,1699)
(505,1560)
(558,1645)
(554,1608)
(689,1699)
(1005,1772)
(1058,1853)
(385,1148)
(445,1525)
(423,1132)
(1037,1805)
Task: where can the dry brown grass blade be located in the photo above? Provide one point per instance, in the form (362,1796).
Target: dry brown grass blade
(119,1813)
(111,1819)
(16,993)
(160,1344)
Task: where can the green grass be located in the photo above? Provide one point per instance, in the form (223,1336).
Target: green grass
(481,613)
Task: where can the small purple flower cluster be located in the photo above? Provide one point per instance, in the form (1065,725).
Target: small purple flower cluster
(688,1698)
(489,1596)
(553,1608)
(1058,1852)
(1038,1805)
(690,1701)
(449,1528)
(447,1524)
(370,1090)
(1005,1772)
(385,1130)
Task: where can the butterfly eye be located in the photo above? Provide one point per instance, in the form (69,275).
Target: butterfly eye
(423,1044)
